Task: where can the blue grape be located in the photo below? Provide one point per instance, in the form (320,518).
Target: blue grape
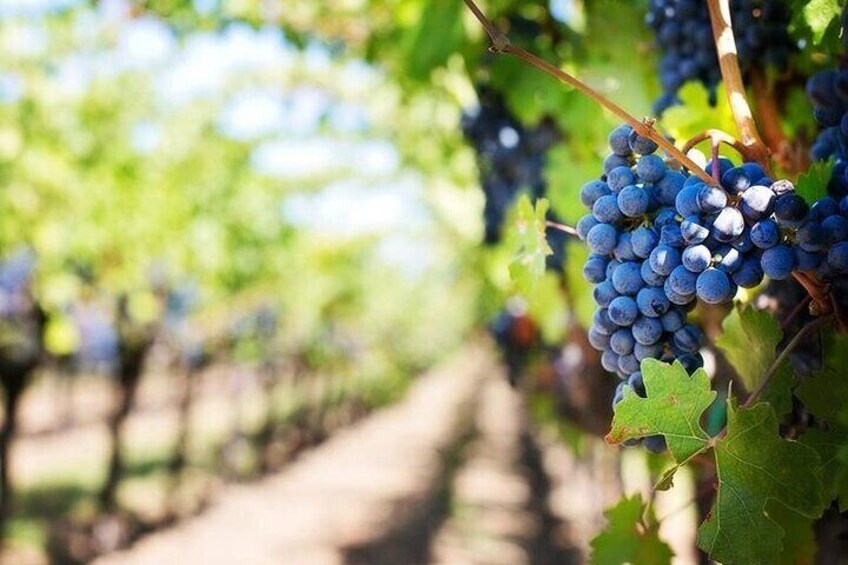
(686,201)
(655,444)
(750,274)
(604,293)
(650,168)
(778,262)
(672,320)
(636,382)
(627,278)
(618,140)
(647,331)
(682,280)
(611,267)
(672,235)
(728,259)
(593,190)
(633,201)
(643,241)
(691,362)
(649,276)
(811,237)
(837,257)
(757,202)
(714,286)
(606,209)
(618,178)
(623,311)
(602,239)
(594,270)
(624,248)
(668,187)
(765,234)
(727,225)
(613,161)
(711,199)
(628,363)
(823,208)
(642,352)
(602,322)
(836,228)
(584,224)
(652,302)
(675,297)
(688,338)
(736,180)
(598,339)
(694,230)
(696,258)
(609,360)
(641,145)
(664,258)
(806,261)
(622,342)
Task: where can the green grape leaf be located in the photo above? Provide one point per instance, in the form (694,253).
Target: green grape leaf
(818,15)
(528,243)
(749,341)
(673,408)
(825,394)
(439,19)
(832,447)
(695,114)
(628,538)
(799,540)
(754,466)
(812,185)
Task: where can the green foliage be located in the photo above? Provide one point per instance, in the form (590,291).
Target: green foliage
(749,341)
(528,242)
(812,185)
(754,466)
(440,19)
(673,408)
(695,114)
(816,18)
(631,536)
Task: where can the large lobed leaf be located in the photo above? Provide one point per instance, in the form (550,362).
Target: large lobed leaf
(755,466)
(630,536)
(673,408)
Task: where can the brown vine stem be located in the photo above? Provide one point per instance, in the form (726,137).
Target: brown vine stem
(728,61)
(501,44)
(768,116)
(793,343)
(562,227)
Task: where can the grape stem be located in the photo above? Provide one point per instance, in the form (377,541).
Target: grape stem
(502,44)
(755,149)
(715,136)
(793,343)
(562,227)
(769,118)
(795,313)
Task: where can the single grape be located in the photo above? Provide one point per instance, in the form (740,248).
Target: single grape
(750,274)
(672,320)
(694,230)
(597,339)
(650,168)
(686,201)
(664,258)
(777,262)
(713,286)
(643,352)
(594,270)
(811,237)
(641,145)
(627,278)
(622,342)
(672,235)
(628,364)
(624,248)
(618,140)
(620,177)
(682,280)
(806,261)
(609,360)
(837,257)
(647,331)
(623,311)
(728,259)
(584,224)
(836,228)
(765,234)
(643,241)
(602,322)
(602,239)
(711,199)
(649,276)
(668,187)
(688,338)
(606,209)
(604,293)
(757,202)
(727,225)
(613,161)
(652,302)
(633,201)
(593,190)
(697,258)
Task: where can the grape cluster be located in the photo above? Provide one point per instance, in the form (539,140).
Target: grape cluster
(828,91)
(635,242)
(511,159)
(684,35)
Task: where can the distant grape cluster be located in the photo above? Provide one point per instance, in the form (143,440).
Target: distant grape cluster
(684,35)
(511,159)
(828,91)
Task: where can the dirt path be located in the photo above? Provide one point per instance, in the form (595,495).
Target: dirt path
(375,482)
